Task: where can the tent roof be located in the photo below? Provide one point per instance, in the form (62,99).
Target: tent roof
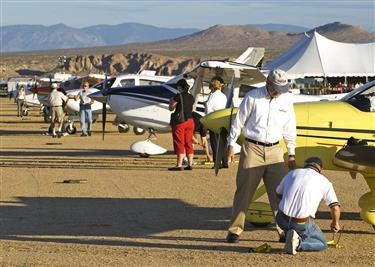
(317,56)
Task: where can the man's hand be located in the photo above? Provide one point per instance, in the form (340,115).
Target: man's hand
(292,162)
(230,154)
(335,227)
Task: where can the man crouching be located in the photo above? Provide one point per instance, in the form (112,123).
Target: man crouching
(301,191)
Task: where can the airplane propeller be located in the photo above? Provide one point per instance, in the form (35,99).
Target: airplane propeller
(104,109)
(222,140)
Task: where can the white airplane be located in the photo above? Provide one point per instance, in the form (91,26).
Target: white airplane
(144,78)
(147,106)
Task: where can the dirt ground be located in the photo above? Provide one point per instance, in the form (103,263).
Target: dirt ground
(131,211)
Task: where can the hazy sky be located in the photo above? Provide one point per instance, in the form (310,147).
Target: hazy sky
(187,14)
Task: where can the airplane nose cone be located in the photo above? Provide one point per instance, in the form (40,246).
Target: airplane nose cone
(98,96)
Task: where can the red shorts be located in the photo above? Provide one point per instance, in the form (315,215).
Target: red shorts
(183,137)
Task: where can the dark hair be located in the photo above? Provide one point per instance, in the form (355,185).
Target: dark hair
(183,84)
(313,162)
(217,78)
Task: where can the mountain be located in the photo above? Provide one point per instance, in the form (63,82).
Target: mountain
(239,37)
(135,32)
(167,57)
(60,36)
(281,27)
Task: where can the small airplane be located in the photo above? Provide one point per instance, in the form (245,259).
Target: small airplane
(341,133)
(147,106)
(145,77)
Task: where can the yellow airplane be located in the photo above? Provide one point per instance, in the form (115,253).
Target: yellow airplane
(341,133)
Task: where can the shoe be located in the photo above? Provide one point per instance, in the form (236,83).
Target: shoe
(89,133)
(59,135)
(232,238)
(225,166)
(54,135)
(282,238)
(188,168)
(292,242)
(176,168)
(83,134)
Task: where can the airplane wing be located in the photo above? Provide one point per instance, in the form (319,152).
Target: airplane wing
(252,56)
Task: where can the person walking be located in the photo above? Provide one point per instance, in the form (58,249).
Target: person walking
(183,128)
(85,112)
(266,114)
(301,191)
(56,100)
(216,100)
(20,99)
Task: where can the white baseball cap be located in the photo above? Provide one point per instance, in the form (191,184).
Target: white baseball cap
(279,79)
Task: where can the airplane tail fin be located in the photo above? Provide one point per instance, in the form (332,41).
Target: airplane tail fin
(252,56)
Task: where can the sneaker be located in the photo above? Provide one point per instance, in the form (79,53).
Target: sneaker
(89,133)
(188,168)
(292,242)
(83,134)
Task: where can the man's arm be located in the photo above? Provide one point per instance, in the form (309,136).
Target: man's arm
(335,215)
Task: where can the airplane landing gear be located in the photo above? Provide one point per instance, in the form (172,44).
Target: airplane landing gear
(123,128)
(71,129)
(138,131)
(25,112)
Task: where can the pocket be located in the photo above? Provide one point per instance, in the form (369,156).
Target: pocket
(252,155)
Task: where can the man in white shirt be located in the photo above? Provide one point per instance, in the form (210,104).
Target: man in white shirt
(85,113)
(265,115)
(301,191)
(217,100)
(56,100)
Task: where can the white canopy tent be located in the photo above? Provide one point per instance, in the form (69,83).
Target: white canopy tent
(317,56)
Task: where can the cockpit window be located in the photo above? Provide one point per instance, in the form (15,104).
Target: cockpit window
(99,86)
(365,100)
(127,82)
(149,82)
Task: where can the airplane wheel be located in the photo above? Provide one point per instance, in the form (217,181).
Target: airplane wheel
(123,128)
(71,129)
(143,155)
(138,131)
(25,112)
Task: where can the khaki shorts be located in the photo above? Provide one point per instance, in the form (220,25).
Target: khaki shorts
(57,114)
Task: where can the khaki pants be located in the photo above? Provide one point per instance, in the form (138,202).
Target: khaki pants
(256,162)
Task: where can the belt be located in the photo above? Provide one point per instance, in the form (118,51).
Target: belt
(261,143)
(297,220)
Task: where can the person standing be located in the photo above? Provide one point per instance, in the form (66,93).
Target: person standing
(301,191)
(20,99)
(217,100)
(56,100)
(182,132)
(85,112)
(199,128)
(266,114)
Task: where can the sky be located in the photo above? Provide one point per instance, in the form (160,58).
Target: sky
(187,14)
